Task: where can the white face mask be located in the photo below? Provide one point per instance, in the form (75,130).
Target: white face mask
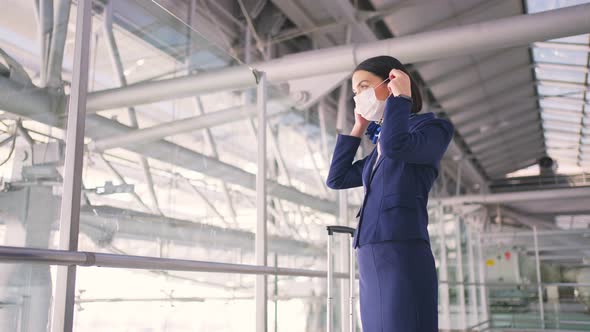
(368,106)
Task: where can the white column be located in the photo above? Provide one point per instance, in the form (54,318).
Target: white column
(69,222)
(443,271)
(472,287)
(460,275)
(261,239)
(344,256)
(539,285)
(483,292)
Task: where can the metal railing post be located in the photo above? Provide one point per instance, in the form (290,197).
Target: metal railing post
(261,238)
(329,310)
(540,286)
(69,222)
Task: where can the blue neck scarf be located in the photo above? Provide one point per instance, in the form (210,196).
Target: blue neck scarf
(374,129)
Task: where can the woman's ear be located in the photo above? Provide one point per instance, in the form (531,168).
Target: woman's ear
(382,92)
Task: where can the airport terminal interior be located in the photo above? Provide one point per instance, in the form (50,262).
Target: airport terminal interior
(163,163)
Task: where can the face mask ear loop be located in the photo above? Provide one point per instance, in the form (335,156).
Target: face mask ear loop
(382,83)
(381,120)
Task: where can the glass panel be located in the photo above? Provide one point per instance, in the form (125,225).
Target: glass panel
(563,153)
(579,39)
(559,105)
(548,90)
(151,44)
(32,150)
(298,159)
(559,56)
(561,75)
(569,116)
(186,189)
(535,6)
(183,301)
(26,296)
(167,301)
(560,128)
(562,137)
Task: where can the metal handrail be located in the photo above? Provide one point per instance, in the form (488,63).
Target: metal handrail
(82,258)
(478,324)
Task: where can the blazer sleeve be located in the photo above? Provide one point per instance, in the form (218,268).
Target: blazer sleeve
(426,144)
(343,172)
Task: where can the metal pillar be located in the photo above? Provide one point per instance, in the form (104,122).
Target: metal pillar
(472,287)
(44,10)
(341,116)
(443,271)
(329,308)
(276,294)
(344,255)
(323,130)
(458,179)
(69,223)
(352,280)
(460,275)
(27,214)
(58,41)
(260,240)
(538,269)
(483,291)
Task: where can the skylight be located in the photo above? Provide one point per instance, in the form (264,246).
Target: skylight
(562,83)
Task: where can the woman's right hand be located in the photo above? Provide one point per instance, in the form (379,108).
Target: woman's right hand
(360,125)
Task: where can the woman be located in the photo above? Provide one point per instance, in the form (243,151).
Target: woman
(398,282)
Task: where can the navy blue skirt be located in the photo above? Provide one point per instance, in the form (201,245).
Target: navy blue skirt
(398,287)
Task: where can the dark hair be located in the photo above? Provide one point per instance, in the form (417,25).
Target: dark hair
(382,65)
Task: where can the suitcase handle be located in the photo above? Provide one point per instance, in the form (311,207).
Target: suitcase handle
(330,309)
(340,229)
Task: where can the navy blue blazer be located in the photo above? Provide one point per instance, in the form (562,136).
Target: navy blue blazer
(396,192)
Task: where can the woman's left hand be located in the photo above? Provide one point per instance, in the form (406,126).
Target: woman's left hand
(399,83)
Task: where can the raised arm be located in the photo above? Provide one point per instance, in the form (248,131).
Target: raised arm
(424,145)
(343,172)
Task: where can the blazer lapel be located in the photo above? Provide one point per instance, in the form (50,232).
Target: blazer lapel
(367,169)
(375,169)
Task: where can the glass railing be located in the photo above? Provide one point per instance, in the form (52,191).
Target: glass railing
(169,177)
(564,308)
(168,195)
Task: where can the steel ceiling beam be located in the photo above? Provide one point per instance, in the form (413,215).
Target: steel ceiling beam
(197,122)
(500,153)
(514,158)
(489,59)
(519,196)
(506,96)
(35,103)
(508,135)
(492,129)
(58,42)
(483,147)
(518,70)
(425,46)
(514,150)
